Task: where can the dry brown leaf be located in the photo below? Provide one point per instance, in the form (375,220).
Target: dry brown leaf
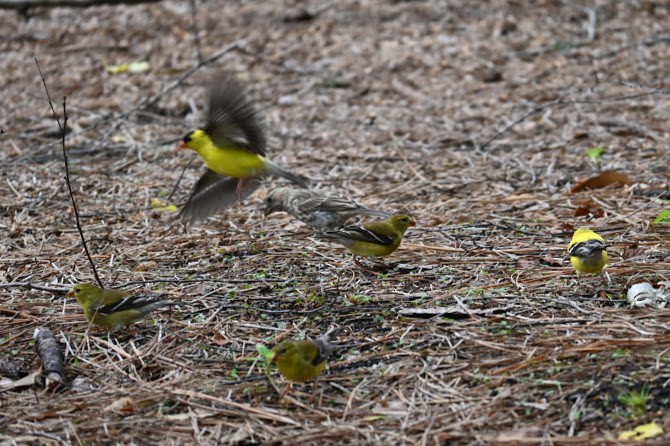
(220,339)
(603,180)
(122,406)
(589,208)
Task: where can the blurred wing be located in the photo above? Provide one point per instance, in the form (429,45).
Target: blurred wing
(325,345)
(586,249)
(213,193)
(111,297)
(332,203)
(143,304)
(361,234)
(344,206)
(232,119)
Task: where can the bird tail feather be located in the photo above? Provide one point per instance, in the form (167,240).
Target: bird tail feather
(274,169)
(374,213)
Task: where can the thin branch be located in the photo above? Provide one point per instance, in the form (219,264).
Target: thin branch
(183,171)
(194,25)
(33,286)
(67,173)
(24,5)
(520,119)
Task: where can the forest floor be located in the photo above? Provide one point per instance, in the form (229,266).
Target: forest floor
(475,117)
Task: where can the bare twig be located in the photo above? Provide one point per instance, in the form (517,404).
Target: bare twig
(33,286)
(67,173)
(181,176)
(520,119)
(196,33)
(24,5)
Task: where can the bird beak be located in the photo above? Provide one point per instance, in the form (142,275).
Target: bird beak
(182,145)
(274,357)
(70,293)
(412,222)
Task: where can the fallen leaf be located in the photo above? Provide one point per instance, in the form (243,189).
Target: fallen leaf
(373,417)
(603,180)
(134,67)
(138,67)
(159,205)
(220,339)
(588,208)
(642,432)
(122,406)
(116,69)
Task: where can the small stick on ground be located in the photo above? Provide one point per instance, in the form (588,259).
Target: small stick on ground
(53,369)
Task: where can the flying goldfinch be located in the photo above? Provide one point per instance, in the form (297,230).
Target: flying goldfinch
(232,145)
(317,209)
(113,308)
(587,251)
(300,361)
(375,239)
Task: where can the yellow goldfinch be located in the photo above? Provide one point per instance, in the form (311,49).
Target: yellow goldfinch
(317,209)
(304,360)
(232,145)
(113,308)
(587,251)
(375,239)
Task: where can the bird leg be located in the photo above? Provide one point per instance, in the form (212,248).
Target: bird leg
(285,390)
(366,268)
(315,392)
(241,185)
(605,278)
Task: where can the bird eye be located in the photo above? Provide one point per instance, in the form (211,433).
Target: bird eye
(187,138)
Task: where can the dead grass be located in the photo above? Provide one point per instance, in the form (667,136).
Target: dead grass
(391,103)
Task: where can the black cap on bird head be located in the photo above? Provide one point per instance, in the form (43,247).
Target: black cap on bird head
(185,140)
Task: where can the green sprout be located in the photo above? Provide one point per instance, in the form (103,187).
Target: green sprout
(635,401)
(663,218)
(595,152)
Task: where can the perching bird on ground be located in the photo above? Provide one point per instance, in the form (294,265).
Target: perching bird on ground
(232,145)
(587,251)
(113,308)
(304,360)
(317,209)
(374,239)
